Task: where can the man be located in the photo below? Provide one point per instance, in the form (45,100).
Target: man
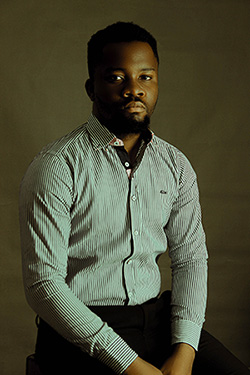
(97,208)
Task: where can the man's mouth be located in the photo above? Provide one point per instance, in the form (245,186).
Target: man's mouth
(134,107)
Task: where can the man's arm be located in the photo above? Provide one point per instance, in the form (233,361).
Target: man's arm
(141,367)
(46,198)
(188,255)
(180,362)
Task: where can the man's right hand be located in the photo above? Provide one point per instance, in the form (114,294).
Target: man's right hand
(141,367)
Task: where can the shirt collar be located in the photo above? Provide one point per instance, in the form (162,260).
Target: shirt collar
(101,136)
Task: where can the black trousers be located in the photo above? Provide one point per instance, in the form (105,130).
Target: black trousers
(146,328)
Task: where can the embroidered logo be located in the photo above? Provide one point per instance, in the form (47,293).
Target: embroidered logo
(163,192)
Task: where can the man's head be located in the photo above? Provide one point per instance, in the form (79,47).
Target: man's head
(116,33)
(123,84)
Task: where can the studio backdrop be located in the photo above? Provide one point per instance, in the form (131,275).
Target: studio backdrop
(203,109)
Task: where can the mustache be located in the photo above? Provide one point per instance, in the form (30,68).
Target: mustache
(132,102)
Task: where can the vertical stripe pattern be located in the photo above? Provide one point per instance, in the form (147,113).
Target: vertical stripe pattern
(91,236)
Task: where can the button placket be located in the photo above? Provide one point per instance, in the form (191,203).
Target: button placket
(130,281)
(135,216)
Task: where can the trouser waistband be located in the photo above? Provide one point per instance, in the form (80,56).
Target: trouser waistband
(127,314)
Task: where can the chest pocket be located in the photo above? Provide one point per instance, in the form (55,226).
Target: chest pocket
(166,198)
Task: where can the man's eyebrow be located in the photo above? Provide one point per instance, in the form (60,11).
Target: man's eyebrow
(148,70)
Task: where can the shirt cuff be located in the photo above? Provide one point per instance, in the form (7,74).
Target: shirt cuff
(118,355)
(187,332)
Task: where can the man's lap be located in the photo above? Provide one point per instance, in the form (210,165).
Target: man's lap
(146,329)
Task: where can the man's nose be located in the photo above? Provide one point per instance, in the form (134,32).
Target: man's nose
(132,89)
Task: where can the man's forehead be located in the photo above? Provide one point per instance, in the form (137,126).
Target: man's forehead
(135,51)
(133,45)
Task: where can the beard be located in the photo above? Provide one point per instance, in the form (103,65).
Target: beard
(123,125)
(119,123)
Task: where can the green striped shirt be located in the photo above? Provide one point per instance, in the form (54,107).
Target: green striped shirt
(91,236)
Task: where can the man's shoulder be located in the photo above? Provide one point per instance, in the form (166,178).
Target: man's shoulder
(72,142)
(165,145)
(60,156)
(170,152)
(176,161)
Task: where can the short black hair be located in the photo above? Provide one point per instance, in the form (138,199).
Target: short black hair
(116,33)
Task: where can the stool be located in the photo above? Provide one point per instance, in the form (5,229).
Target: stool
(32,367)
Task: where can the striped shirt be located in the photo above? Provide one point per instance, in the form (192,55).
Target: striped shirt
(91,236)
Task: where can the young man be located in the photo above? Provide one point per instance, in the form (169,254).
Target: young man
(97,208)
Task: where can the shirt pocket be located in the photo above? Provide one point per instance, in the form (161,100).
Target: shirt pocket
(166,199)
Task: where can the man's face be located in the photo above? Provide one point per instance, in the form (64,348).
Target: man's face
(125,87)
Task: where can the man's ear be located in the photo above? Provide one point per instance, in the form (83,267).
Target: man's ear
(89,86)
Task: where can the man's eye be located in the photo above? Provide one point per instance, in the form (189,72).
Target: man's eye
(145,77)
(114,78)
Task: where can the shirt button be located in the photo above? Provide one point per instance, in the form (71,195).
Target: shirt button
(133,198)
(136,232)
(127,164)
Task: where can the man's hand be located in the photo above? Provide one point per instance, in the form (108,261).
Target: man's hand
(141,367)
(180,362)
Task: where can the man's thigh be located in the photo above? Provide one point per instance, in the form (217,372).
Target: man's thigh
(147,331)
(55,355)
(141,327)
(73,366)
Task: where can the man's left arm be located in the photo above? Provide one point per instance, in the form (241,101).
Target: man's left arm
(180,362)
(187,250)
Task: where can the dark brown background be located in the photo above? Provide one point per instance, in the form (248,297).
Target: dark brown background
(203,109)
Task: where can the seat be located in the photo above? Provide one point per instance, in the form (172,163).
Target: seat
(32,367)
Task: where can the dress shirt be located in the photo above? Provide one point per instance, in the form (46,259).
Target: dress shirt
(92,236)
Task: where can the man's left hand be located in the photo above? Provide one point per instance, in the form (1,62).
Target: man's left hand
(180,362)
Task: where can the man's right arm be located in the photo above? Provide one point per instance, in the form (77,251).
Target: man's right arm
(46,200)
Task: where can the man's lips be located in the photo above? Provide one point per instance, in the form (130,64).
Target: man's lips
(134,107)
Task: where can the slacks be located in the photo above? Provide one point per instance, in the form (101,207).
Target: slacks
(146,328)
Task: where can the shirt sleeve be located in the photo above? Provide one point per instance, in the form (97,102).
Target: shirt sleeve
(46,199)
(188,253)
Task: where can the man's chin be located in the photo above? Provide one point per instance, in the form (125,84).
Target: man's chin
(132,124)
